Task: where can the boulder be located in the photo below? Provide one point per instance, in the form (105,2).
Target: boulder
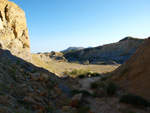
(69,109)
(6,101)
(4,109)
(75,100)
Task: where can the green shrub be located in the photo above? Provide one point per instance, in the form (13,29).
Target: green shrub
(83,109)
(12,71)
(35,71)
(81,73)
(74,72)
(50,109)
(97,84)
(82,76)
(66,72)
(111,88)
(86,62)
(94,85)
(104,78)
(22,102)
(84,92)
(94,74)
(134,100)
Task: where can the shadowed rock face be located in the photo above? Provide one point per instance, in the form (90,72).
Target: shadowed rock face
(118,52)
(134,74)
(13,29)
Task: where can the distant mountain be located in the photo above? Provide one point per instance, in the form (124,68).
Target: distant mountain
(118,52)
(72,49)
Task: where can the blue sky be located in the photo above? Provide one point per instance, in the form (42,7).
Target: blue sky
(58,24)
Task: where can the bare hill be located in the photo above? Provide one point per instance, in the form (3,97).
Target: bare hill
(118,52)
(134,74)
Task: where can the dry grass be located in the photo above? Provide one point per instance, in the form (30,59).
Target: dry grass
(60,67)
(40,63)
(63,66)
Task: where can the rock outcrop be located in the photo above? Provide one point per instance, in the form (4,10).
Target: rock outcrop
(134,74)
(118,52)
(59,56)
(13,30)
(27,88)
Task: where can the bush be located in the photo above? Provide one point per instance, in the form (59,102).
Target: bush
(84,92)
(111,88)
(81,73)
(82,76)
(134,100)
(83,109)
(104,78)
(94,85)
(66,72)
(86,62)
(97,84)
(50,109)
(94,74)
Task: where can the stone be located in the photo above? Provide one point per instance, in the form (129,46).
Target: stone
(6,101)
(40,111)
(29,100)
(91,111)
(43,94)
(69,109)
(35,107)
(75,100)
(4,109)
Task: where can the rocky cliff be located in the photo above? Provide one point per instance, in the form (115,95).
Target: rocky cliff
(118,52)
(13,30)
(134,74)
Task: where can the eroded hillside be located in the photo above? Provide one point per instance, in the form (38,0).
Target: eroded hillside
(134,74)
(118,52)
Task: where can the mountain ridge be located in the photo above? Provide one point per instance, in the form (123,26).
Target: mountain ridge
(118,52)
(71,49)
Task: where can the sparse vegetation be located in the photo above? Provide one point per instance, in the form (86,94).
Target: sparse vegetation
(86,62)
(50,109)
(12,71)
(104,78)
(134,100)
(83,109)
(22,102)
(84,92)
(81,73)
(97,84)
(111,88)
(94,85)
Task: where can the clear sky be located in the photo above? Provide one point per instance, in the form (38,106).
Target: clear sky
(58,24)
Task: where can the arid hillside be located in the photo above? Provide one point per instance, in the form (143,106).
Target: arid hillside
(134,74)
(118,52)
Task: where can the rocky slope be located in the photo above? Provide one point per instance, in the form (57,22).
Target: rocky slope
(134,74)
(53,56)
(118,52)
(25,88)
(13,30)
